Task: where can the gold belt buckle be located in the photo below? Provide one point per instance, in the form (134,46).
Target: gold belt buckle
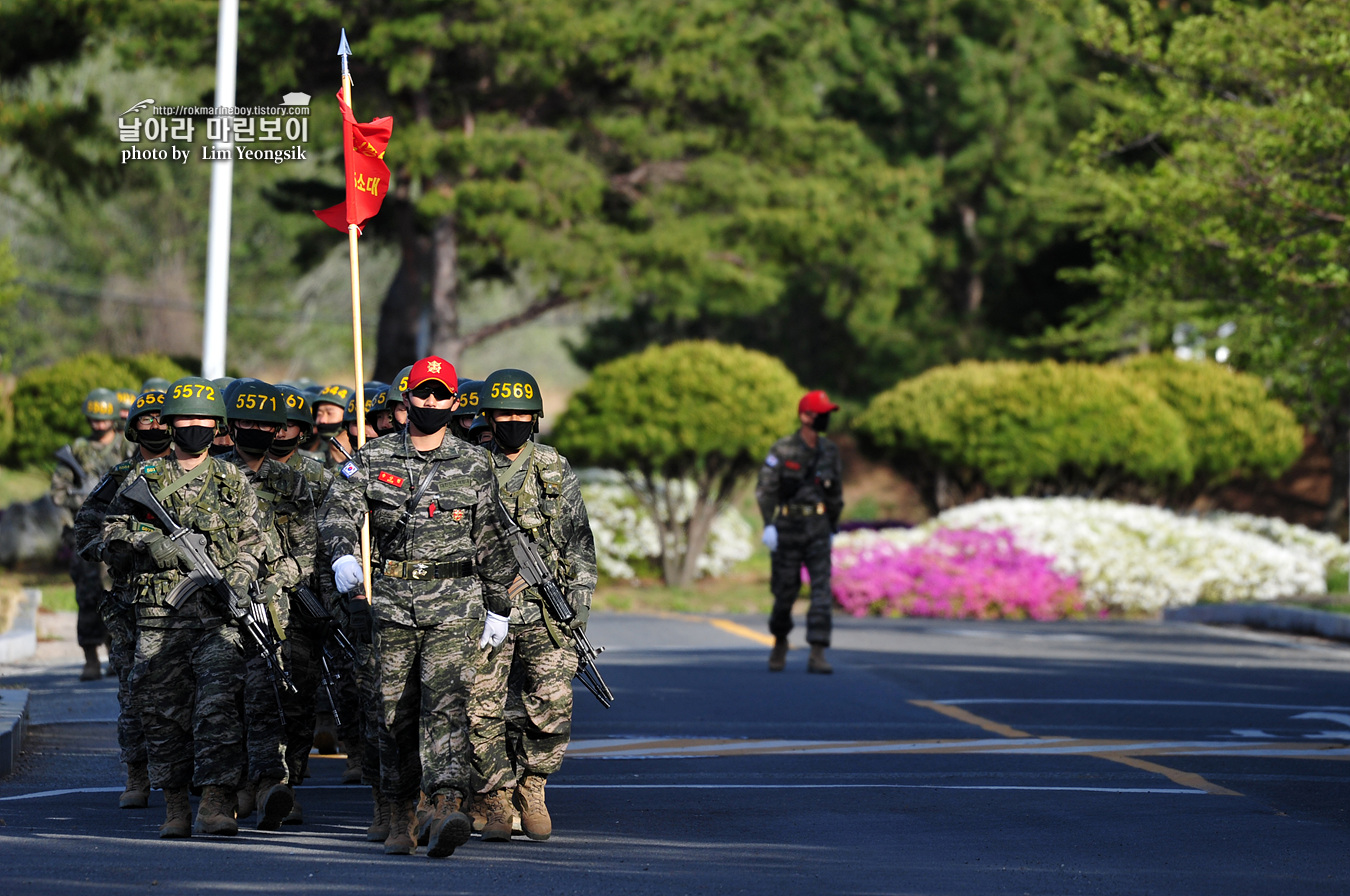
(820,509)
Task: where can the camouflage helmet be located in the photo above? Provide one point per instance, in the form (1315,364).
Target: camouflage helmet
(400,383)
(297,407)
(377,398)
(125,399)
(468,398)
(334,394)
(154,384)
(510,389)
(150,401)
(101,404)
(193,396)
(251,399)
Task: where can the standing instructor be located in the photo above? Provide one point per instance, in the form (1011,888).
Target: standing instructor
(800,495)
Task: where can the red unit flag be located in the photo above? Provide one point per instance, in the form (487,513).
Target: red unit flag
(367,174)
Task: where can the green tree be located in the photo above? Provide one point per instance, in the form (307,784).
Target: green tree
(1214,191)
(696,412)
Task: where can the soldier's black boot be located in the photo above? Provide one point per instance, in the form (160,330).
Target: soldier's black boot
(92,671)
(778,656)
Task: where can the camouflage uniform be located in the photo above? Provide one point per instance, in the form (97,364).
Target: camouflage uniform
(520,711)
(88,576)
(801,492)
(188,675)
(438,577)
(118,609)
(281,494)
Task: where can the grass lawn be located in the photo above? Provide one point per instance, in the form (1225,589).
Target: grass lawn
(23,485)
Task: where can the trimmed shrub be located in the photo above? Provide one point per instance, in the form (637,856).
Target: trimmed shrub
(1234,428)
(48,401)
(1016,428)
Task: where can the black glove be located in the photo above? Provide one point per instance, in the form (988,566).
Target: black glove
(362,620)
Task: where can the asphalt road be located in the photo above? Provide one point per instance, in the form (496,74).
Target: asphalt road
(965,758)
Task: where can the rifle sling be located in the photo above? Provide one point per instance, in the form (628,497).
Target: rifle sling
(186,479)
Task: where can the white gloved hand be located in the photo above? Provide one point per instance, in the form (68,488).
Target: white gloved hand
(494,630)
(347,573)
(770,537)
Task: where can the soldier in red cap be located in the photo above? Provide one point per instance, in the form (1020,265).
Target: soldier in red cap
(440,600)
(800,495)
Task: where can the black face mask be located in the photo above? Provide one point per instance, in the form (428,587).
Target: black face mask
(153,440)
(194,440)
(283,447)
(512,435)
(253,442)
(822,422)
(429,420)
(328,430)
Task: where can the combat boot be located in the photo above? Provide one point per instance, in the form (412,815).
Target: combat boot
(215,813)
(379,822)
(529,802)
(817,662)
(424,812)
(352,773)
(137,794)
(245,800)
(474,809)
(92,671)
(450,828)
(177,815)
(778,656)
(402,839)
(275,800)
(497,813)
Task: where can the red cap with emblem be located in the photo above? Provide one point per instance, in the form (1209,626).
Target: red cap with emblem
(432,368)
(816,402)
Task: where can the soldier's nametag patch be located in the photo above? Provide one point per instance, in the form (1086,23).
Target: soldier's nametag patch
(792,465)
(771,460)
(457,514)
(396,481)
(348,469)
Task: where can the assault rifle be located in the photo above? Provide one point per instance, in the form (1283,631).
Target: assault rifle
(84,483)
(315,610)
(534,571)
(204,575)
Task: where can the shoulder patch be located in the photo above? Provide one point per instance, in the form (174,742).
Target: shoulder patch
(150,470)
(348,469)
(771,460)
(396,481)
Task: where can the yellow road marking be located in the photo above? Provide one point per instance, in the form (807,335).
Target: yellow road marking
(735,628)
(962,715)
(1186,779)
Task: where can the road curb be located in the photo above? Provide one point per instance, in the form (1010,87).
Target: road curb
(1294,620)
(13,726)
(20,642)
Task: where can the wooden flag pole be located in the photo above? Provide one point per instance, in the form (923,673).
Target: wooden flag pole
(352,233)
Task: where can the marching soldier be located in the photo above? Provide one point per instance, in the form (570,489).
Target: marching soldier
(256,411)
(800,495)
(81,467)
(330,411)
(151,437)
(440,598)
(188,674)
(521,709)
